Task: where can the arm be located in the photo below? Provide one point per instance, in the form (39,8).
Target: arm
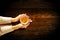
(4,29)
(6,20)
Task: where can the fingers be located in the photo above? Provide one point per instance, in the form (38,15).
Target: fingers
(30,20)
(26,25)
(20,16)
(21,25)
(24,15)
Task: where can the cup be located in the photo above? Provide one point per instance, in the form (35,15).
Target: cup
(24,19)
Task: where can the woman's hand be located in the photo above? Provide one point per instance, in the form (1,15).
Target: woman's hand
(22,25)
(17,18)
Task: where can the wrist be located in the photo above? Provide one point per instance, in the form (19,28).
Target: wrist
(14,20)
(17,26)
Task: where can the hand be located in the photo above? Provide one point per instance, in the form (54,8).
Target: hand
(18,18)
(26,25)
(22,25)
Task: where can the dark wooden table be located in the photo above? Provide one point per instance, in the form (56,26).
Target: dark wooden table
(44,14)
(43,27)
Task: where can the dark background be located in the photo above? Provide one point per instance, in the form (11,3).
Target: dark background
(38,29)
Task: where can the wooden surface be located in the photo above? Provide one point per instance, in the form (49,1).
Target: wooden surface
(42,28)
(44,14)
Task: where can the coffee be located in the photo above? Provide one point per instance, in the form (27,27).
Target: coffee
(24,19)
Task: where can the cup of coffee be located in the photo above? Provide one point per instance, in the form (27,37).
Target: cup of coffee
(24,19)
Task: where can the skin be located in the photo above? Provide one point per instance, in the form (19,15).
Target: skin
(17,18)
(20,25)
(15,27)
